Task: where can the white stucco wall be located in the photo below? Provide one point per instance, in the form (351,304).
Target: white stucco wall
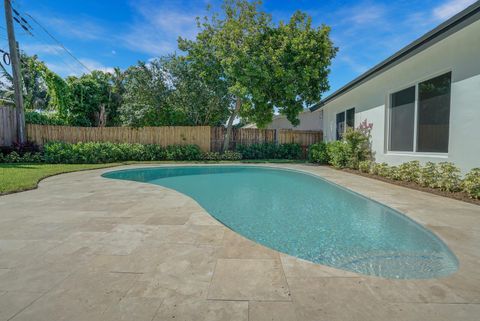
(458,53)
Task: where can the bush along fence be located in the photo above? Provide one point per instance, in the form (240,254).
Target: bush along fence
(209,139)
(66,144)
(100,152)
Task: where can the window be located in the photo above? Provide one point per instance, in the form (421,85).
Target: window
(434,114)
(420,117)
(345,119)
(402,120)
(350,118)
(340,125)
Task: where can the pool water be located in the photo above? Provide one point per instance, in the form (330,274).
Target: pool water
(308,217)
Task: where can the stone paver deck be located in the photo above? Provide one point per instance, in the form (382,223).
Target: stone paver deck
(82,247)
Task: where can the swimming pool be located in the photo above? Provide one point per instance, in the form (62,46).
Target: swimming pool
(308,217)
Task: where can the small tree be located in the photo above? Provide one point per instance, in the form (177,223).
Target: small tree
(264,66)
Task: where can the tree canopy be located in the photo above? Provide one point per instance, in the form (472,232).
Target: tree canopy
(265,66)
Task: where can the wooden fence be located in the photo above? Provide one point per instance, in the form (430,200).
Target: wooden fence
(8,126)
(208,138)
(164,136)
(248,136)
(241,136)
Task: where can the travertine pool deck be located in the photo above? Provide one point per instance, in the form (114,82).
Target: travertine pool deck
(83,247)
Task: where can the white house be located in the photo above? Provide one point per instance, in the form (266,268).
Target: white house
(423,101)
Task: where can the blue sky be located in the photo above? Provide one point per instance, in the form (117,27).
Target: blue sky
(105,34)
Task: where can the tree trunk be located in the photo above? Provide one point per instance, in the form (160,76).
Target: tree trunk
(226,140)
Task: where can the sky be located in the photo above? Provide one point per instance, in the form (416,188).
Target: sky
(106,34)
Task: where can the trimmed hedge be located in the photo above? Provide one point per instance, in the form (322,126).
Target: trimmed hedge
(270,151)
(97,152)
(27,157)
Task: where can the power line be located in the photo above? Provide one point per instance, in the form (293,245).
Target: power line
(58,42)
(30,28)
(41,39)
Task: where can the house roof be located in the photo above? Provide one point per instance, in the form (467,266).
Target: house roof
(447,28)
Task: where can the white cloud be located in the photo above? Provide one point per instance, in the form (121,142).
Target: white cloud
(95,65)
(450,8)
(67,68)
(158,27)
(38,49)
(363,15)
(357,67)
(84,28)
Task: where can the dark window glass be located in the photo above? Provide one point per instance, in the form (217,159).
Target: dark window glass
(434,114)
(351,118)
(402,120)
(340,125)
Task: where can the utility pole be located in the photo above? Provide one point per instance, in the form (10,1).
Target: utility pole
(17,76)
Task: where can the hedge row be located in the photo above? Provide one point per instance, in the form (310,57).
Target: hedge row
(444,176)
(99,152)
(270,151)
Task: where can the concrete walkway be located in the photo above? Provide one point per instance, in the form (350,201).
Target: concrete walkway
(82,247)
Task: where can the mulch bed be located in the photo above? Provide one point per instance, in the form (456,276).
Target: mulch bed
(461,196)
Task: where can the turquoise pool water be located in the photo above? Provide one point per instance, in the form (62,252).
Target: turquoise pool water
(308,217)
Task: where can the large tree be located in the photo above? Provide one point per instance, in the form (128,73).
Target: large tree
(203,103)
(35,89)
(266,67)
(145,99)
(169,91)
(91,101)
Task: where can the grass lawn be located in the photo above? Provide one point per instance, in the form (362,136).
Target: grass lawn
(20,177)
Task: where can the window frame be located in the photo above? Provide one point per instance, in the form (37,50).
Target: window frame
(388,107)
(344,112)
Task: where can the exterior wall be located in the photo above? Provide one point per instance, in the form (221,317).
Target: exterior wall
(458,53)
(308,121)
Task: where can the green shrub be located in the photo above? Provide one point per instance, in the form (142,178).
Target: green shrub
(337,154)
(410,171)
(13,157)
(211,156)
(153,152)
(449,178)
(231,155)
(289,151)
(270,151)
(429,175)
(357,147)
(317,153)
(183,152)
(97,152)
(471,183)
(380,169)
(393,173)
(365,166)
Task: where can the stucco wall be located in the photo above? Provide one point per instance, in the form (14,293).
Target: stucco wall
(458,53)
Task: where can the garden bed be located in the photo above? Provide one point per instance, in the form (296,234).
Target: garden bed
(461,196)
